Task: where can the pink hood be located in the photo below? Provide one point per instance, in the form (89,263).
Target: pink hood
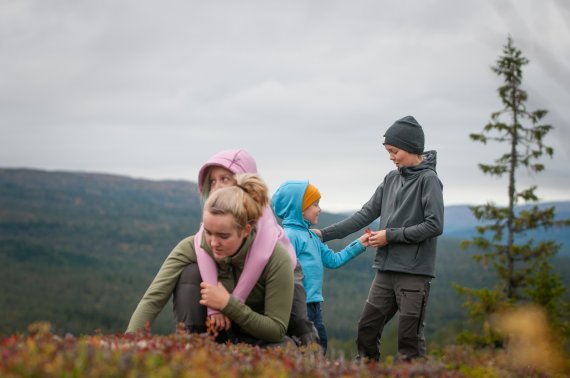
(236,161)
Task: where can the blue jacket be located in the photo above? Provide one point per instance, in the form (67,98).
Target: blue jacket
(313,254)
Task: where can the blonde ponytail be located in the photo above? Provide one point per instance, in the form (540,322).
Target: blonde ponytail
(245,201)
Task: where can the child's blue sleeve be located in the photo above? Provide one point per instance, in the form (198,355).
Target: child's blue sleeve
(333,260)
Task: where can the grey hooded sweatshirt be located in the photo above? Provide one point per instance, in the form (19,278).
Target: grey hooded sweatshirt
(409,203)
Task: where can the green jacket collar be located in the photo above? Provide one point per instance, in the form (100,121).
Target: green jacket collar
(238,259)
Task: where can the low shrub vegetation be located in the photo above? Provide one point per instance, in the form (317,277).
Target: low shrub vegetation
(41,353)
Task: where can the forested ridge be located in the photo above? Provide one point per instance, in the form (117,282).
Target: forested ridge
(79,250)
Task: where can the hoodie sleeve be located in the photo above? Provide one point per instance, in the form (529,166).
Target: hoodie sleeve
(432,226)
(161,288)
(333,260)
(366,215)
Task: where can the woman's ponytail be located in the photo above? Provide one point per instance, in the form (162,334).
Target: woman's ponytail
(245,201)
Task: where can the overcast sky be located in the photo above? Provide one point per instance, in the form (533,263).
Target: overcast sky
(151,89)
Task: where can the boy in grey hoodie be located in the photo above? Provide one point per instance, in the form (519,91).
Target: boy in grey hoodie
(409,202)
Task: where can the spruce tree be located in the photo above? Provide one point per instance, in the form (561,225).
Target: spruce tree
(523,265)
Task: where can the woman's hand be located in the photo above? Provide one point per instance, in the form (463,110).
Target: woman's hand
(218,322)
(378,238)
(216,297)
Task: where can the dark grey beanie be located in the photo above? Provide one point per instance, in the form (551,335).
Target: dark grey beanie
(406,134)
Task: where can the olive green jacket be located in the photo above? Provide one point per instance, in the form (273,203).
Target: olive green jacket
(265,313)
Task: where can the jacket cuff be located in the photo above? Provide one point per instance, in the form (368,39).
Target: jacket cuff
(395,235)
(357,247)
(212,311)
(232,308)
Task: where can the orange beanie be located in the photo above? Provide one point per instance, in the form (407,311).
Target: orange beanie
(311,195)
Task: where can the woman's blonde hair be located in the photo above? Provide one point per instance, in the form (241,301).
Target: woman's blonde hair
(245,201)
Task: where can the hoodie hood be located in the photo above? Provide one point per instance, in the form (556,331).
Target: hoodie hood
(236,161)
(429,162)
(287,203)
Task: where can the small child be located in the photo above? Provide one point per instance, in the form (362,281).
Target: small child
(297,204)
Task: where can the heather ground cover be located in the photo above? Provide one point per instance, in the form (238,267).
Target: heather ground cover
(41,353)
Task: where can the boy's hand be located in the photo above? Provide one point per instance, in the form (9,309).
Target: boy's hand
(216,297)
(378,238)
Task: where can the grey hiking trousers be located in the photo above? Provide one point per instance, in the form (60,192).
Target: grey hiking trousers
(391,292)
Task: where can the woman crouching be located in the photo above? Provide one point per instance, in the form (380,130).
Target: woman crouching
(229,219)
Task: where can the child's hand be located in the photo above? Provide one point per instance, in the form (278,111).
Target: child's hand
(364,239)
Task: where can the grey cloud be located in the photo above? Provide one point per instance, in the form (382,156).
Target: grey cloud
(151,90)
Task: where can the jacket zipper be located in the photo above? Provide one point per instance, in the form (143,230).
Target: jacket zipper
(397,201)
(233,273)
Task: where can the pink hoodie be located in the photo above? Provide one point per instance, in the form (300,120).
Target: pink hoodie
(268,230)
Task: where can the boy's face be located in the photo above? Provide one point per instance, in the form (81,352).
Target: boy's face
(219,177)
(312,212)
(401,157)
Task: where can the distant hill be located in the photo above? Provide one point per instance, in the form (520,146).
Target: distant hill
(80,249)
(460,223)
